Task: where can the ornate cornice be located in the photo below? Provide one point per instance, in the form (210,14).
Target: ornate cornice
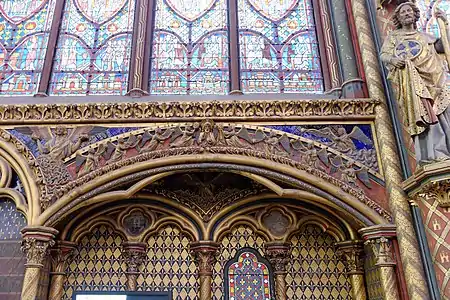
(159,111)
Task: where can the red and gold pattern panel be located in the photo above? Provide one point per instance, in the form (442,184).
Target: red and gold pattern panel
(437,226)
(98,264)
(169,265)
(373,279)
(240,237)
(315,271)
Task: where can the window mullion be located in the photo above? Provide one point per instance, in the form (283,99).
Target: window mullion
(235,80)
(51,50)
(140,55)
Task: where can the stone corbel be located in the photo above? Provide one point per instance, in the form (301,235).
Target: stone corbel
(134,253)
(279,254)
(430,181)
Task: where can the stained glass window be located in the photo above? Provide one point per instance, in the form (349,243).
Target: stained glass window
(190,47)
(278,47)
(248,278)
(24,29)
(94,48)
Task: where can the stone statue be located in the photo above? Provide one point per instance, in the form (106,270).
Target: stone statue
(419,74)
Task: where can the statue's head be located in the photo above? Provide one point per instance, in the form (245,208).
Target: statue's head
(405,14)
(60,130)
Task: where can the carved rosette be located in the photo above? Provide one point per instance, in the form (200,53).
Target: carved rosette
(36,244)
(134,253)
(352,253)
(278,254)
(204,253)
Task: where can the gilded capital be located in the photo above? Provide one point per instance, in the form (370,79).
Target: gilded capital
(61,254)
(205,253)
(382,249)
(36,244)
(278,254)
(352,253)
(134,253)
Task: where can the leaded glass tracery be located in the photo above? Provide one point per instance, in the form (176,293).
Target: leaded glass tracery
(24,29)
(94,48)
(248,277)
(190,47)
(278,47)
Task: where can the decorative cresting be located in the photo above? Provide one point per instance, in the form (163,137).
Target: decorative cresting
(187,111)
(431,182)
(398,202)
(352,253)
(205,256)
(36,244)
(278,254)
(61,255)
(378,238)
(134,253)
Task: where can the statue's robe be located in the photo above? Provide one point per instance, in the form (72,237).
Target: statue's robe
(422,91)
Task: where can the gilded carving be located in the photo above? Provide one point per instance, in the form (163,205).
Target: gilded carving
(36,250)
(60,256)
(382,249)
(419,73)
(278,254)
(134,254)
(204,253)
(162,111)
(352,253)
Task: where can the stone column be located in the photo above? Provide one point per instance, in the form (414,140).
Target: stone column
(351,252)
(36,243)
(134,253)
(378,239)
(60,257)
(205,257)
(278,254)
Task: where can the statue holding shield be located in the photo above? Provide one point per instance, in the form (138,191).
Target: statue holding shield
(420,75)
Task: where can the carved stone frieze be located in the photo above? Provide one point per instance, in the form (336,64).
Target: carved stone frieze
(164,111)
(205,253)
(278,254)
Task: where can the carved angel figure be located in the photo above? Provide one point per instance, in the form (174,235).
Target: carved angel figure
(348,172)
(187,137)
(230,137)
(310,155)
(339,139)
(61,142)
(273,145)
(121,148)
(91,160)
(156,139)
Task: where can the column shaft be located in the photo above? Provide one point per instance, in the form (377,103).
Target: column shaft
(205,257)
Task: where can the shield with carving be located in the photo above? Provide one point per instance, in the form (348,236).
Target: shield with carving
(18,11)
(191,9)
(274,10)
(100,11)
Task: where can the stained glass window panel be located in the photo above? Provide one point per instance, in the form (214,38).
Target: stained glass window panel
(248,278)
(94,48)
(279,50)
(190,48)
(24,29)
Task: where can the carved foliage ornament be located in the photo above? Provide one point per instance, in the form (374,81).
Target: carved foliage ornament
(155,111)
(438,191)
(278,254)
(36,250)
(382,249)
(352,254)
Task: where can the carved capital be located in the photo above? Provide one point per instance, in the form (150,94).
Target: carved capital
(438,191)
(382,249)
(204,253)
(61,254)
(134,253)
(36,244)
(352,253)
(278,254)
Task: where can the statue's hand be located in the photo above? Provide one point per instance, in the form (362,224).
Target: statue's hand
(439,14)
(398,62)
